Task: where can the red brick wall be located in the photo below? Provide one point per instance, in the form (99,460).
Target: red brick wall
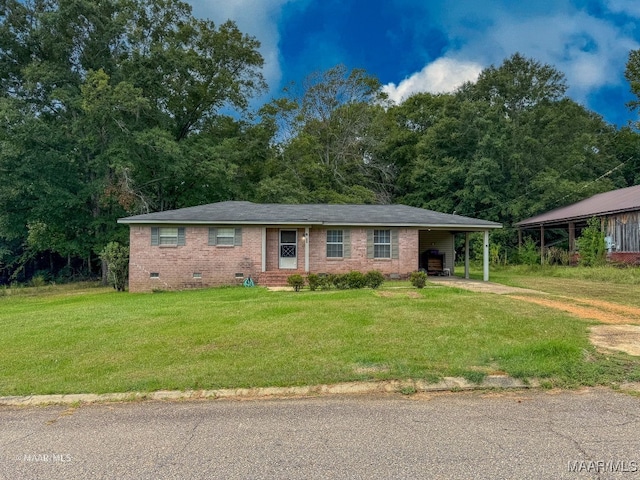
(405,264)
(218,265)
(176,265)
(632,258)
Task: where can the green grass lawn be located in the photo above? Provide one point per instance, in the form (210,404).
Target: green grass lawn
(96,340)
(608,283)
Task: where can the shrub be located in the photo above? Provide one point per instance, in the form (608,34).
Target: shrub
(591,245)
(374,279)
(314,281)
(116,257)
(356,280)
(340,281)
(528,253)
(296,281)
(418,279)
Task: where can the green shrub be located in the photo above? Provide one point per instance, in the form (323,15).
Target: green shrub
(591,245)
(326,281)
(296,281)
(374,279)
(340,281)
(116,257)
(528,253)
(418,279)
(356,280)
(314,281)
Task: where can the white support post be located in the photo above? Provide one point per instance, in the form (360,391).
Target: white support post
(466,255)
(264,249)
(306,249)
(485,256)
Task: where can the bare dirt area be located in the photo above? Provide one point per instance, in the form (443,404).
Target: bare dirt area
(621,331)
(623,338)
(604,312)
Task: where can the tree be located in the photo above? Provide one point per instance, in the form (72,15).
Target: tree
(112,108)
(328,147)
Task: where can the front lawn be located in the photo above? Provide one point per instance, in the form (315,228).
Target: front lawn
(96,340)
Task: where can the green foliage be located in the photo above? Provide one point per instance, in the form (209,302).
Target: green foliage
(116,257)
(356,280)
(591,246)
(296,281)
(314,281)
(374,279)
(340,281)
(529,253)
(418,279)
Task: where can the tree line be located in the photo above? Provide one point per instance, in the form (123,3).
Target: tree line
(120,107)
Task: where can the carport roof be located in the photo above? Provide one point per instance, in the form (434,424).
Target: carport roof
(242,213)
(607,203)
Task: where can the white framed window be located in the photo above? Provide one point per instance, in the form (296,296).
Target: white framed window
(225,236)
(382,244)
(168,235)
(335,244)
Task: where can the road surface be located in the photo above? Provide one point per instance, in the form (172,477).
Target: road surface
(592,433)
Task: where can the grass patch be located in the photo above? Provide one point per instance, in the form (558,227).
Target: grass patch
(96,340)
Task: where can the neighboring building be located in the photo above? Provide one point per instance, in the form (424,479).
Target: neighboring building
(225,243)
(619,214)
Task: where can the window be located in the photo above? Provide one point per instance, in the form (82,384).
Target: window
(335,245)
(154,275)
(225,236)
(168,236)
(382,244)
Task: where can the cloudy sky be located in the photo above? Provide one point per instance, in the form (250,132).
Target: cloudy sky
(435,45)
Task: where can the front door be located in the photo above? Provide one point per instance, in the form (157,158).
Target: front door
(288,249)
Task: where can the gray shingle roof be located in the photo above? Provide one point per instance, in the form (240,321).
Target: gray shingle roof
(233,213)
(615,201)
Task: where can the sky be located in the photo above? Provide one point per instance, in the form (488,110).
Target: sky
(436,45)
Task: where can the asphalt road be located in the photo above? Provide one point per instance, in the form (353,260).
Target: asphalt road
(540,435)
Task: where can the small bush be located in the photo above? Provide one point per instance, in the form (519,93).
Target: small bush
(374,279)
(116,257)
(418,279)
(340,281)
(356,280)
(296,281)
(326,281)
(591,245)
(314,281)
(528,253)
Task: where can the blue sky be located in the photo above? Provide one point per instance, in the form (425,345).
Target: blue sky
(435,45)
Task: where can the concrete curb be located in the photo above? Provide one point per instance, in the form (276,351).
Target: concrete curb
(387,386)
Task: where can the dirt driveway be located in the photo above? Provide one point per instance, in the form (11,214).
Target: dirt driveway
(621,323)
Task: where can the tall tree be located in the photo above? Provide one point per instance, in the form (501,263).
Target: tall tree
(111,108)
(328,149)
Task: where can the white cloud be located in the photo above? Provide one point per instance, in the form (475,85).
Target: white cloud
(628,7)
(591,52)
(257,18)
(441,76)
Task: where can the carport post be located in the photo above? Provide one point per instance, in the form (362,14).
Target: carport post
(466,255)
(485,256)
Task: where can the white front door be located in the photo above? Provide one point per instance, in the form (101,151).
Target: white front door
(288,249)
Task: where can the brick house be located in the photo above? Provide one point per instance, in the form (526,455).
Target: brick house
(227,242)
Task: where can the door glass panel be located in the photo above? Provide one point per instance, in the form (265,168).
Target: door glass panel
(288,236)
